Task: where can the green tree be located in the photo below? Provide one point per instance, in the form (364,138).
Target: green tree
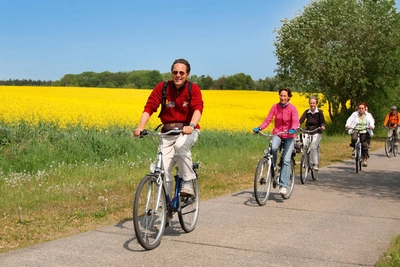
(104,77)
(205,82)
(68,80)
(348,50)
(154,77)
(166,76)
(239,81)
(139,79)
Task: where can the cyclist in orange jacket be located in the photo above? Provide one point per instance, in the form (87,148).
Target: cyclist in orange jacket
(392,121)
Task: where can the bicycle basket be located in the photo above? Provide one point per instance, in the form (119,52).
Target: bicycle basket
(298,145)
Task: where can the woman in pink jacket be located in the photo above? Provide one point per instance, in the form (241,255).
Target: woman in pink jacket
(286,119)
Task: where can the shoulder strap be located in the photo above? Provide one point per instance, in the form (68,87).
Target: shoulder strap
(164,97)
(189,91)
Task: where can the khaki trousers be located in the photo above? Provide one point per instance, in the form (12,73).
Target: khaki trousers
(176,150)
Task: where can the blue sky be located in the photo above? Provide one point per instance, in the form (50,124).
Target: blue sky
(46,39)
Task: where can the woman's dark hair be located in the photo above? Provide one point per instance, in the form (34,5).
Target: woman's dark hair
(183,61)
(289,92)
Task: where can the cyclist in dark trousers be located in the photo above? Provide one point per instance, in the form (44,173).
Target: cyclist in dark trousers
(314,118)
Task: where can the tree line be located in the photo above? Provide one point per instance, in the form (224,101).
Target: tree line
(29,82)
(148,79)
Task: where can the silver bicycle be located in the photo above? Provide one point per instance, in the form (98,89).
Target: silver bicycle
(390,148)
(306,165)
(268,175)
(358,149)
(154,205)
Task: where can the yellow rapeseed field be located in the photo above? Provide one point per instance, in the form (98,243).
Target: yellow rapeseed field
(100,107)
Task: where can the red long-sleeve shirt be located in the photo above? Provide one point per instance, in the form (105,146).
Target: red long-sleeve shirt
(178,107)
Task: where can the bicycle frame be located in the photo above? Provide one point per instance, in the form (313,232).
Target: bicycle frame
(266,175)
(157,169)
(305,158)
(390,148)
(358,149)
(268,154)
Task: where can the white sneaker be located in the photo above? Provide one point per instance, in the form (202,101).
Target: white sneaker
(283,190)
(187,189)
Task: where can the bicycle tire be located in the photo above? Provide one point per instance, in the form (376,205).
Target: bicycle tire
(149,217)
(304,167)
(357,158)
(395,150)
(262,181)
(291,180)
(189,209)
(314,174)
(388,147)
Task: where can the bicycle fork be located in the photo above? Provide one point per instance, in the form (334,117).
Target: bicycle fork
(160,188)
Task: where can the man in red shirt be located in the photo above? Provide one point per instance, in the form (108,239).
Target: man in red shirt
(181,107)
(392,121)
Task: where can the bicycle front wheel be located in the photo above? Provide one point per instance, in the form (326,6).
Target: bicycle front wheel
(262,181)
(149,215)
(388,147)
(395,148)
(304,167)
(314,173)
(358,157)
(189,209)
(291,180)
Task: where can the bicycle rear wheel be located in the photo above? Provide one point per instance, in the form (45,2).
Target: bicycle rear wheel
(388,147)
(149,216)
(304,167)
(262,181)
(291,180)
(189,210)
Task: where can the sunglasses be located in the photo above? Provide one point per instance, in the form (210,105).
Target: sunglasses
(180,73)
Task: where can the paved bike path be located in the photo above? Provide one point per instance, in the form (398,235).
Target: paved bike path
(343,219)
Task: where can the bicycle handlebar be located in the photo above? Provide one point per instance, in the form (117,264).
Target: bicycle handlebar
(271,135)
(389,128)
(354,129)
(308,131)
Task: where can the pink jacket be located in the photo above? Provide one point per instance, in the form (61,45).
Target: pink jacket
(286,118)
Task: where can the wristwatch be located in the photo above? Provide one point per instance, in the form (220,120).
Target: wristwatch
(192,125)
